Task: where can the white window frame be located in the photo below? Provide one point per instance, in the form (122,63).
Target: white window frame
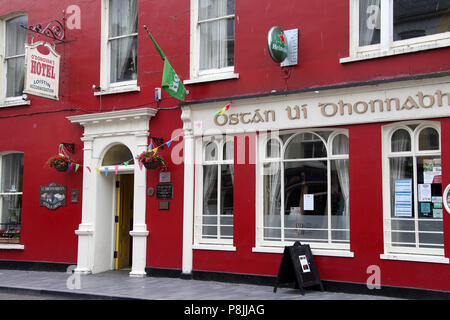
(8,101)
(2,193)
(199,241)
(396,252)
(320,248)
(106,87)
(197,76)
(387,47)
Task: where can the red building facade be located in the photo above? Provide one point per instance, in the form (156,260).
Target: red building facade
(343,150)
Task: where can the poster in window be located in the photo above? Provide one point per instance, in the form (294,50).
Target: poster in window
(403,198)
(308,202)
(425,192)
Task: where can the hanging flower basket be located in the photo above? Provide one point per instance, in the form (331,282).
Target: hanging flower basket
(151,160)
(60,162)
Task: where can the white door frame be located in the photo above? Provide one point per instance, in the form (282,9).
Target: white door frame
(95,232)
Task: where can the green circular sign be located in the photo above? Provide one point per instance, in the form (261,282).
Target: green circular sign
(277,44)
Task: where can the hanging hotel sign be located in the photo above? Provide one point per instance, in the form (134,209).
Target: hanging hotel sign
(42,70)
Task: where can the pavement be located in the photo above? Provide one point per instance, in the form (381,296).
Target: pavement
(118,285)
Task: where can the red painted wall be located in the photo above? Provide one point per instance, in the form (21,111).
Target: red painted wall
(323,40)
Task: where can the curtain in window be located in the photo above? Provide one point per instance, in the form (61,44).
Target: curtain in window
(11,188)
(341,147)
(16,37)
(209,185)
(123,21)
(369,22)
(216,37)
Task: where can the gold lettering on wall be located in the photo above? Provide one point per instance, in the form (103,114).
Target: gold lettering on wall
(342,107)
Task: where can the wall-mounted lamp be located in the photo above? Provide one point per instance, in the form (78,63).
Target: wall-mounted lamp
(95,87)
(24,97)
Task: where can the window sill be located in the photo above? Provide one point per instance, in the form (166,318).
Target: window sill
(15,103)
(118,89)
(216,247)
(415,258)
(214,77)
(12,246)
(316,252)
(395,51)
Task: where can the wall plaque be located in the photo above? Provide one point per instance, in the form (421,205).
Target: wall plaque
(164,191)
(52,196)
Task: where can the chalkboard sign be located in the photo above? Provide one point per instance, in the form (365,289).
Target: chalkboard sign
(298,266)
(164,191)
(52,196)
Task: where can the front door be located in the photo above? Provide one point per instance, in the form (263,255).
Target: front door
(124,220)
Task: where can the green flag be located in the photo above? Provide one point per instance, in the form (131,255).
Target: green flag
(170,80)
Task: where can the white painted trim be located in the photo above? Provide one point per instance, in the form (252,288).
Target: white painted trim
(213,247)
(416,258)
(10,101)
(12,246)
(386,154)
(316,252)
(14,102)
(213,77)
(197,76)
(387,46)
(96,231)
(118,89)
(188,199)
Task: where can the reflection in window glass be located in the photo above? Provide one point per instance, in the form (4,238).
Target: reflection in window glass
(429,139)
(297,204)
(401,141)
(369,22)
(418,18)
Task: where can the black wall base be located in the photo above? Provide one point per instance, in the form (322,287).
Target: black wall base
(35,265)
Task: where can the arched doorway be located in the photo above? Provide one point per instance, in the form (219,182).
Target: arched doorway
(111,139)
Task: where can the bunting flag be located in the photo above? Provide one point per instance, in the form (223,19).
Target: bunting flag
(88,168)
(116,169)
(222,111)
(140,165)
(150,147)
(106,171)
(76,167)
(170,80)
(169,143)
(98,171)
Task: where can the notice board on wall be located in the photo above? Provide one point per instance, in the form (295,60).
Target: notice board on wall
(298,266)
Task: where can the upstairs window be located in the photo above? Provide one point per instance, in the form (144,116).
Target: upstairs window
(212,40)
(122,40)
(13,53)
(388,27)
(119,56)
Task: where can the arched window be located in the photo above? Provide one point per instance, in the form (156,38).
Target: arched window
(305,189)
(214,188)
(413,189)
